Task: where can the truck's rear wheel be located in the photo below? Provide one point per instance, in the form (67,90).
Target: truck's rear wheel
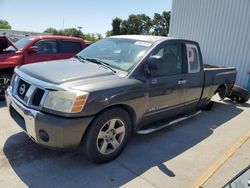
(5,79)
(108,135)
(222,91)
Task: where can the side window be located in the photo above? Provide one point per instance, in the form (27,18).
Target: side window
(70,46)
(193,58)
(46,46)
(171,64)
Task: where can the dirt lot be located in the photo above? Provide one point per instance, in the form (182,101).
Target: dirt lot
(173,157)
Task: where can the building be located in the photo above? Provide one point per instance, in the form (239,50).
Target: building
(15,35)
(222,27)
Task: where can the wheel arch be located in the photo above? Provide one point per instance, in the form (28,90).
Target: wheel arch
(127,108)
(222,90)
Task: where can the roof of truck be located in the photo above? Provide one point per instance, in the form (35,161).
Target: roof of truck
(148,38)
(55,37)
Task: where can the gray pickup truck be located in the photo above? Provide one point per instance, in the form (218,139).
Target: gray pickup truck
(117,86)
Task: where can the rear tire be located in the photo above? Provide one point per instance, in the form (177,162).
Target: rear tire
(5,79)
(107,136)
(222,92)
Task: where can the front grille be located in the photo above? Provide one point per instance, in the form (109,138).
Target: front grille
(27,93)
(37,97)
(22,89)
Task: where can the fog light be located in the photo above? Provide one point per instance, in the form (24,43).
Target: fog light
(43,135)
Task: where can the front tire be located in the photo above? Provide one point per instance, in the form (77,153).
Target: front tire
(108,135)
(5,79)
(208,106)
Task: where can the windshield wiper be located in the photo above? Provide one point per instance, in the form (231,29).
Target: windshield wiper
(100,62)
(80,58)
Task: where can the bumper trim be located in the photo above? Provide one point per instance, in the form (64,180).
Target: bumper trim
(64,133)
(29,115)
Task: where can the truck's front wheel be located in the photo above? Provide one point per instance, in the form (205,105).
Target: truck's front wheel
(108,135)
(5,79)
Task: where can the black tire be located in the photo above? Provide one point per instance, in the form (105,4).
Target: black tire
(208,106)
(5,79)
(239,94)
(237,99)
(222,92)
(91,143)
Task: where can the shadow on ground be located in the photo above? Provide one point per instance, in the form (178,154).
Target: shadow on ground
(2,104)
(228,101)
(40,167)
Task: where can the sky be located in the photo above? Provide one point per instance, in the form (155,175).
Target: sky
(94,16)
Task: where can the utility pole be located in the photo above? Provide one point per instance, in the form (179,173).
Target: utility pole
(63,24)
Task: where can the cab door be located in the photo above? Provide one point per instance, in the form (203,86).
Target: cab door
(166,87)
(47,50)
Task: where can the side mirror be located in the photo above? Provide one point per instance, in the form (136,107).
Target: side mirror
(33,50)
(154,62)
(153,65)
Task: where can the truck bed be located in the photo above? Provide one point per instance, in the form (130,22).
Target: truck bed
(215,76)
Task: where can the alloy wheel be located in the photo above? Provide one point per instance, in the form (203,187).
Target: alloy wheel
(110,136)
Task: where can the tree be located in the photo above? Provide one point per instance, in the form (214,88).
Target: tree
(109,33)
(73,32)
(141,24)
(161,23)
(4,24)
(116,26)
(51,30)
(92,37)
(98,36)
(136,24)
(60,32)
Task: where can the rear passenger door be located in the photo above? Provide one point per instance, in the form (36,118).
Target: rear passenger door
(69,48)
(47,50)
(195,77)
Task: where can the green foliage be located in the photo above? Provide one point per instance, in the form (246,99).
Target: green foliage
(92,37)
(4,24)
(73,32)
(141,24)
(116,25)
(51,30)
(109,33)
(161,24)
(136,24)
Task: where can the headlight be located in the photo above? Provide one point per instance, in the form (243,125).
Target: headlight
(66,101)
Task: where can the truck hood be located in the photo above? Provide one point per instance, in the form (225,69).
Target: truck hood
(5,43)
(67,72)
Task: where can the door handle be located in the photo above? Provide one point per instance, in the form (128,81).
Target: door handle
(182,82)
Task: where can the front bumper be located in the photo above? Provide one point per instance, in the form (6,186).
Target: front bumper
(63,133)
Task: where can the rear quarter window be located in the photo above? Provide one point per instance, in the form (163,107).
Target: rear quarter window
(193,58)
(70,46)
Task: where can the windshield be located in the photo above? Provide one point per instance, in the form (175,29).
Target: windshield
(121,54)
(20,44)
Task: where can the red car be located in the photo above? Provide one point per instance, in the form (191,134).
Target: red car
(34,49)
